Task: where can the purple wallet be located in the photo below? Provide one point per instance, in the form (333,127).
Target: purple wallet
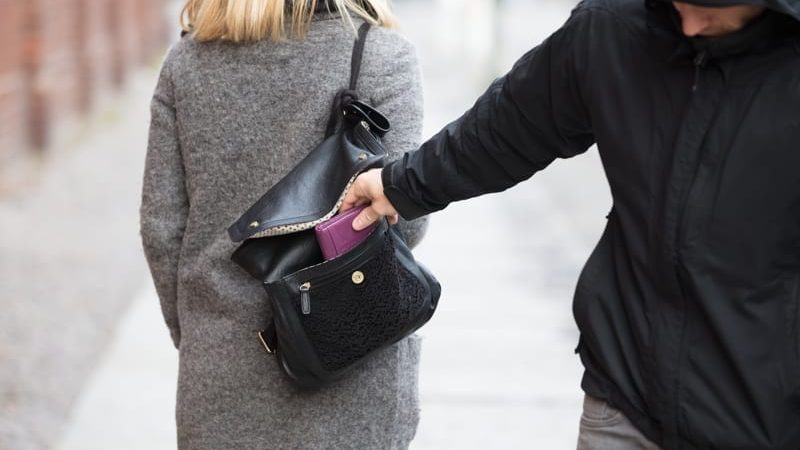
(337,236)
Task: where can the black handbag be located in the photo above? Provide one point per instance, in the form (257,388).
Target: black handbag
(330,316)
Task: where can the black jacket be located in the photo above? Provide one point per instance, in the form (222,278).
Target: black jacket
(688,307)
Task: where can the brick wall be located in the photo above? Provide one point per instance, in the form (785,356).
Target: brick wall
(94,52)
(52,61)
(12,100)
(58,56)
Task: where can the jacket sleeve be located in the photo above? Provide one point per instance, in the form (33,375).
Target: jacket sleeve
(165,204)
(394,85)
(523,122)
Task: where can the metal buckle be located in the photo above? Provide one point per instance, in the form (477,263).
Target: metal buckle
(264,343)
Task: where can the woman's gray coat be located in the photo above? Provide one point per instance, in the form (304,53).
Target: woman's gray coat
(228,121)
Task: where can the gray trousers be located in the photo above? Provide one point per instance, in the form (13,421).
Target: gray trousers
(606,428)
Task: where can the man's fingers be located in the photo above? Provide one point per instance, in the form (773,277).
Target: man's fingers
(368,190)
(366,218)
(359,193)
(393,219)
(351,200)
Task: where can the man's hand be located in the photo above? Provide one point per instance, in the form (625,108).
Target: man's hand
(368,189)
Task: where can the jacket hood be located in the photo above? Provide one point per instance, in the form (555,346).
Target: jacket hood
(788,7)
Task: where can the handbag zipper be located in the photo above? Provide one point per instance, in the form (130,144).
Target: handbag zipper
(305,298)
(368,134)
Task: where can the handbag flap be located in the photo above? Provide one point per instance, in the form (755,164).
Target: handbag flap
(313,191)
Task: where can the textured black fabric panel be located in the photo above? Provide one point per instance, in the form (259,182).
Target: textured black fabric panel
(348,321)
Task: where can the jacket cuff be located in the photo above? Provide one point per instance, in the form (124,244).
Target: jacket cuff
(391,176)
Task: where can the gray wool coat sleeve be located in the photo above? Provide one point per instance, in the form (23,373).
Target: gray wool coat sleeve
(164,202)
(228,122)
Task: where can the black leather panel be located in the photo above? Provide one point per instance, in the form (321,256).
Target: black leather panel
(269,259)
(312,188)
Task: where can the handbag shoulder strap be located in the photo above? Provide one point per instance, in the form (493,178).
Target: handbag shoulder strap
(358,55)
(346,96)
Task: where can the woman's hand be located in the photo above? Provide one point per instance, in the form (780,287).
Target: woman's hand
(368,189)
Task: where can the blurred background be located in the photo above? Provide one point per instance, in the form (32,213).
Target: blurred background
(85,360)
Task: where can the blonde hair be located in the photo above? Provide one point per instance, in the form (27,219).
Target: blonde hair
(254,20)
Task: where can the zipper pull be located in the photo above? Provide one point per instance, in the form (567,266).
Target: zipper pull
(305,298)
(699,62)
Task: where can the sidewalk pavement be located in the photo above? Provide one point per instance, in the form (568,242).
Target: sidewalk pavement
(498,368)
(129,401)
(70,261)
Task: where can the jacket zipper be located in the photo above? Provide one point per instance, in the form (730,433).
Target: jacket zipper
(699,62)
